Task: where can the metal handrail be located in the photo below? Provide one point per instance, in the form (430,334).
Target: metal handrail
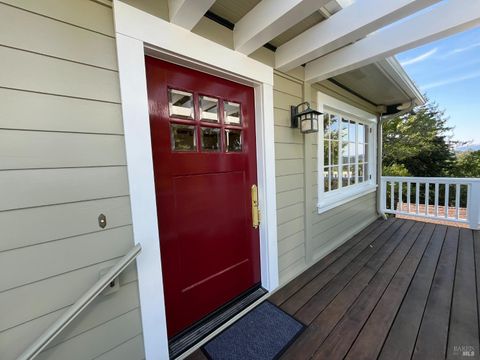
(48,335)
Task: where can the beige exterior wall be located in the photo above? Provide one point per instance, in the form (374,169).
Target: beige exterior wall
(62,163)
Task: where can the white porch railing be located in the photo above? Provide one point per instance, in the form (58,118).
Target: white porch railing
(447,199)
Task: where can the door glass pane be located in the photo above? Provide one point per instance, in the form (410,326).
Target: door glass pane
(232,113)
(233,140)
(180,104)
(210,139)
(209,108)
(183,137)
(345,175)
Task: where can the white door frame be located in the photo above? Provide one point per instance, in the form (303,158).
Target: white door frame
(137,34)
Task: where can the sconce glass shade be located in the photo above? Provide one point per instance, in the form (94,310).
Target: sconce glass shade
(307,119)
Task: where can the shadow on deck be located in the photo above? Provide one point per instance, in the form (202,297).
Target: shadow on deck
(400,289)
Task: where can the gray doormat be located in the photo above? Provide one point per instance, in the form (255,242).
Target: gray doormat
(263,334)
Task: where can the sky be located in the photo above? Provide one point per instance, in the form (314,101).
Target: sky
(448,71)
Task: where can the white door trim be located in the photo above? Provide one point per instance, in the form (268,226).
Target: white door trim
(137,34)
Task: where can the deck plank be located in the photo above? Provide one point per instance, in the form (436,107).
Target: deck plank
(432,337)
(342,337)
(324,323)
(370,340)
(297,283)
(463,330)
(331,286)
(400,341)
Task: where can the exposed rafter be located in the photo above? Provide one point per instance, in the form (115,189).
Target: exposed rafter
(441,21)
(269,19)
(187,13)
(348,25)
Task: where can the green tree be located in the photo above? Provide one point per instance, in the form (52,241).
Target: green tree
(467,164)
(417,143)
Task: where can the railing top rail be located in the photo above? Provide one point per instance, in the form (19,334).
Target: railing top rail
(445,180)
(68,316)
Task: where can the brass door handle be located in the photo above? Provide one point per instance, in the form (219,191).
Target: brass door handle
(255,209)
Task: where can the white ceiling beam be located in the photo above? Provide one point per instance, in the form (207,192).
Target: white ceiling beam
(441,21)
(269,19)
(346,26)
(187,13)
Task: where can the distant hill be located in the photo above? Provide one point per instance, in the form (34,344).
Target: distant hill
(470,147)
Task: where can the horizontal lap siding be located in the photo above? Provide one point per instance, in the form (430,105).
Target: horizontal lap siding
(289,155)
(62,163)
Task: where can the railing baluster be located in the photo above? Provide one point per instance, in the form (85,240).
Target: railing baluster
(427,195)
(400,200)
(392,195)
(447,197)
(408,196)
(457,201)
(436,199)
(417,197)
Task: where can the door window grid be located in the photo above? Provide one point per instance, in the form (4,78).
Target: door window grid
(216,124)
(345,145)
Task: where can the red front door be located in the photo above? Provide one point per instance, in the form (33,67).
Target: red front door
(203,145)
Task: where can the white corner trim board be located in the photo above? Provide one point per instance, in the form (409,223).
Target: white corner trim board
(137,34)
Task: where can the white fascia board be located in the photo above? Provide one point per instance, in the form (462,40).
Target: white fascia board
(346,26)
(269,19)
(443,20)
(187,13)
(179,41)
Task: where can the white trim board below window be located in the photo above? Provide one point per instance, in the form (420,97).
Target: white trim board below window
(340,190)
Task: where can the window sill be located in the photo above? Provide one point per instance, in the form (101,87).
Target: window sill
(331,201)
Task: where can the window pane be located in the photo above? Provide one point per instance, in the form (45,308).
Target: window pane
(183,137)
(352,131)
(361,133)
(360,172)
(233,140)
(366,153)
(334,124)
(180,104)
(345,153)
(352,153)
(326,126)
(209,108)
(344,130)
(334,183)
(345,175)
(334,150)
(352,174)
(361,152)
(326,152)
(210,139)
(232,113)
(366,175)
(326,178)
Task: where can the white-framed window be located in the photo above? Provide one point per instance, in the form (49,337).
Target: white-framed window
(346,153)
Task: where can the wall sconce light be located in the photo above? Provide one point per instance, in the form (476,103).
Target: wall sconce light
(307,119)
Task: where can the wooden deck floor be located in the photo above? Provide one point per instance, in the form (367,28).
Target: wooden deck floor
(400,289)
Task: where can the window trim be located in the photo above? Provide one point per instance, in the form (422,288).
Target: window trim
(334,198)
